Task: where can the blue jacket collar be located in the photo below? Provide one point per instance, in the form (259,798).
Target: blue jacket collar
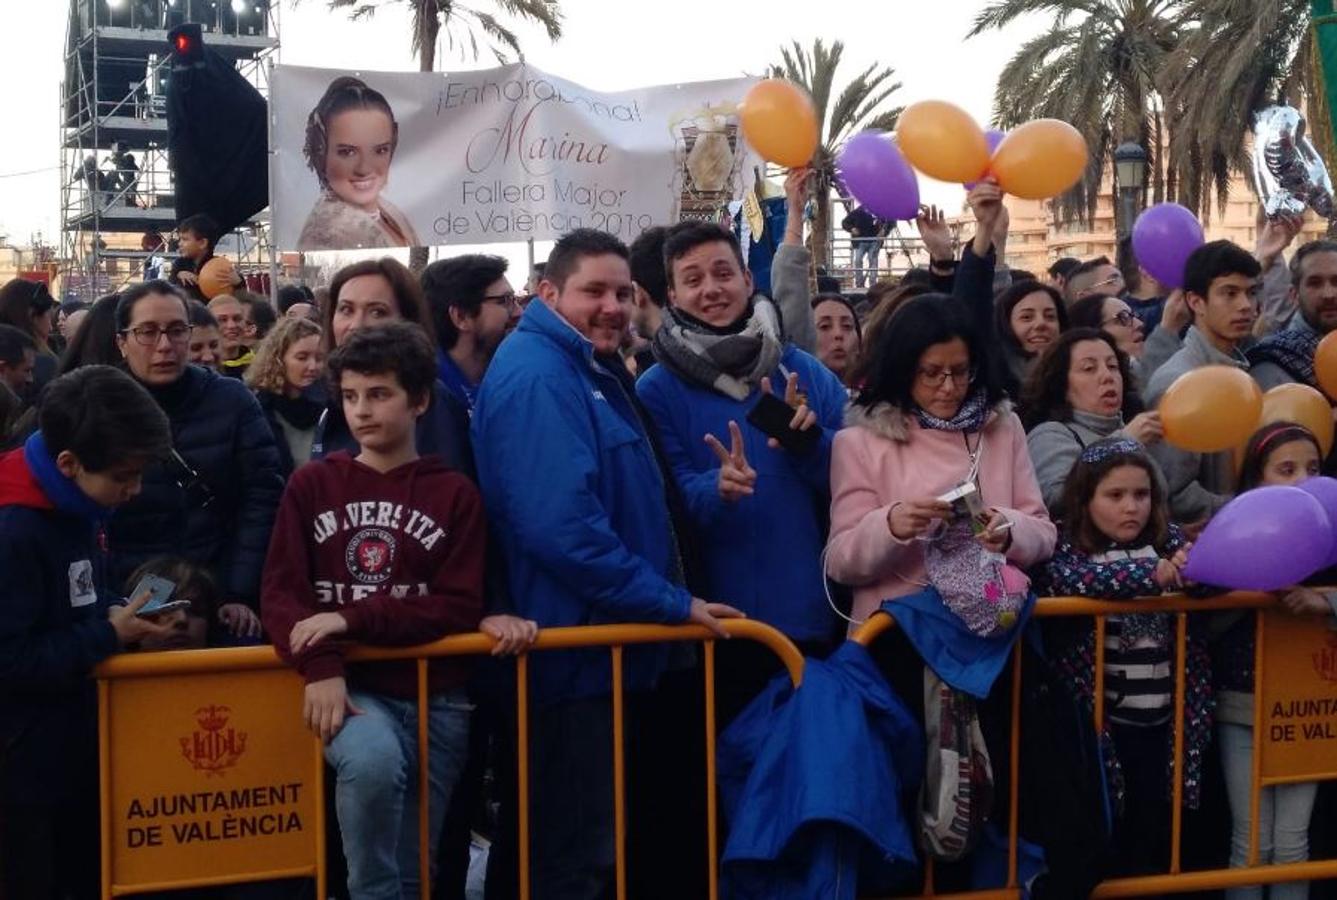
(540,319)
(61,490)
(453,377)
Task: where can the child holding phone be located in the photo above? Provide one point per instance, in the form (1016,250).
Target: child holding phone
(97,430)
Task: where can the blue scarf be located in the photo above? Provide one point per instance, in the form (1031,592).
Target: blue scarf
(1292,349)
(970,417)
(59,489)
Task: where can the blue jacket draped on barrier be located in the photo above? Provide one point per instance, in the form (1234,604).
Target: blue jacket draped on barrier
(813,782)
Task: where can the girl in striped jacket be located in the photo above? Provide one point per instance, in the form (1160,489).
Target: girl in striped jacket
(1117,544)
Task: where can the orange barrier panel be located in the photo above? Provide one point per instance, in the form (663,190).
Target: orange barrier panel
(1295,728)
(209,777)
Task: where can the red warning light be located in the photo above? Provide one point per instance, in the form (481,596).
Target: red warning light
(182,44)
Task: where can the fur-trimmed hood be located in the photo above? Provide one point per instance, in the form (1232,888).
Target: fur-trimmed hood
(893,423)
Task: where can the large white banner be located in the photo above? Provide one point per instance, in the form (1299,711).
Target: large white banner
(381,159)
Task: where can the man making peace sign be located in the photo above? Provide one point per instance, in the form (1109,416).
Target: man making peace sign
(759,508)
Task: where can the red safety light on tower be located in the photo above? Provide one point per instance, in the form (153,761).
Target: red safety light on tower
(187,46)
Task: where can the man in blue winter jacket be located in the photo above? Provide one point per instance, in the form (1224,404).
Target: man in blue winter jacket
(759,509)
(572,485)
(97,429)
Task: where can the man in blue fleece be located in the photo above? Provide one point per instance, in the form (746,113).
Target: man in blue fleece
(97,429)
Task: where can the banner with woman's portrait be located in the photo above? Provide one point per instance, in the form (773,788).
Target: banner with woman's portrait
(380,159)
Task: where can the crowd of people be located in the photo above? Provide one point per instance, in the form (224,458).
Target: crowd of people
(639,436)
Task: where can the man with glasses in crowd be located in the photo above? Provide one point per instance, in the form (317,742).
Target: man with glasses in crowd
(474,307)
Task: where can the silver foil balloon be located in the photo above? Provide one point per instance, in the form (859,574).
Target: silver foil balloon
(1287,170)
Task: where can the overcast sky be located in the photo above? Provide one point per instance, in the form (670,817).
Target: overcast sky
(608,44)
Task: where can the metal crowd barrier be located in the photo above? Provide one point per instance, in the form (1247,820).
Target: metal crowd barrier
(212,748)
(1176,881)
(137,693)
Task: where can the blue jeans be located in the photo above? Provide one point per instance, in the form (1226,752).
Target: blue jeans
(375,759)
(865,260)
(1283,816)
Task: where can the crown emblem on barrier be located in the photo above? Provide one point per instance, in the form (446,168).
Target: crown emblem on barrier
(1325,660)
(214,746)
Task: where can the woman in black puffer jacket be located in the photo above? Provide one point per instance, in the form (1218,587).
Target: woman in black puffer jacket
(213,500)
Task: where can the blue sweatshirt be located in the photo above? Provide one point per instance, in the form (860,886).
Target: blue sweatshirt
(53,627)
(762,553)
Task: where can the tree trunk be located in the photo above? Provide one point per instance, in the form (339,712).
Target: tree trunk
(821,227)
(426,63)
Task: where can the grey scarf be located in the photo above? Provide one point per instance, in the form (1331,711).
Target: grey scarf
(731,361)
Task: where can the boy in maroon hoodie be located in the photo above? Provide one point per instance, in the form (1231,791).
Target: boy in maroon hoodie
(384,548)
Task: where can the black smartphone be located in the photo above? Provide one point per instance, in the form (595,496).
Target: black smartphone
(772,416)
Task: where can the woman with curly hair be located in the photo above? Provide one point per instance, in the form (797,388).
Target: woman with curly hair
(285,375)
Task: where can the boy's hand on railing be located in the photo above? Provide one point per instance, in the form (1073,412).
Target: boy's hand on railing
(1306,602)
(513,634)
(240,620)
(709,615)
(132,628)
(325,706)
(310,631)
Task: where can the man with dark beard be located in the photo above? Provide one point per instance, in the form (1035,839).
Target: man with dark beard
(1287,356)
(473,308)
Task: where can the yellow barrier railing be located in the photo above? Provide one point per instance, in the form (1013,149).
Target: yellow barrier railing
(1175,881)
(156,667)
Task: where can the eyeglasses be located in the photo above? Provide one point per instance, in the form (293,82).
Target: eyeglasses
(1124,318)
(149,335)
(936,378)
(198,493)
(1116,278)
(509,300)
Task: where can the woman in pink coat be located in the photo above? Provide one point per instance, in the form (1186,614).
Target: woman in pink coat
(931,417)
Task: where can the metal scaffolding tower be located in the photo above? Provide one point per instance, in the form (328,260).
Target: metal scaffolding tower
(117,196)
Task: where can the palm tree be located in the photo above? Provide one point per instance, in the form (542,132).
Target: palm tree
(1096,67)
(462,25)
(1237,56)
(858,107)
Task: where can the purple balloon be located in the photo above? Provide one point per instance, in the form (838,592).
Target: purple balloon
(1264,540)
(1324,490)
(1163,239)
(993,137)
(878,176)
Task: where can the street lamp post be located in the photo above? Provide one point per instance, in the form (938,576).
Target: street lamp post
(1130,175)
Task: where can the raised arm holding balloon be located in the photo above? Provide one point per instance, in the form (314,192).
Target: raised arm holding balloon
(791,265)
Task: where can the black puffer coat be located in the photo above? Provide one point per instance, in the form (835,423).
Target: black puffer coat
(221,516)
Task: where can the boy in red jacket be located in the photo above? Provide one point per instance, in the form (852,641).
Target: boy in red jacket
(382,548)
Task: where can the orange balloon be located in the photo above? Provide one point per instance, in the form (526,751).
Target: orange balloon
(1211,409)
(1301,404)
(780,122)
(941,140)
(1040,159)
(217,277)
(1325,365)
